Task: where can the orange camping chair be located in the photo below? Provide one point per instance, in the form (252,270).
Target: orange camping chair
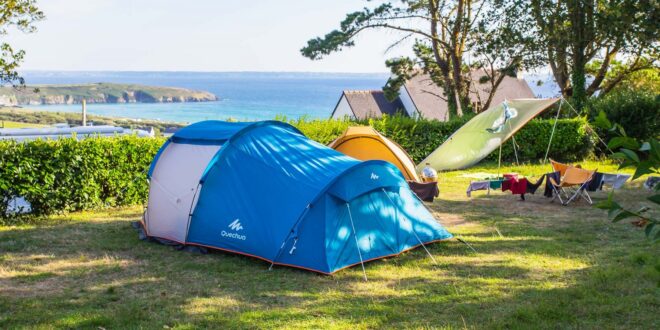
(559,167)
(573,185)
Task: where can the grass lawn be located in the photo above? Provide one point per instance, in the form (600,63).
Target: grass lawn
(536,265)
(16,124)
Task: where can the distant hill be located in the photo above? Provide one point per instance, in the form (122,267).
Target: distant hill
(99,93)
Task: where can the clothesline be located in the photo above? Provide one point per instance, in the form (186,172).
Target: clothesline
(522,186)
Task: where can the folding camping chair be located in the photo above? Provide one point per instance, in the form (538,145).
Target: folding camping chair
(573,184)
(559,167)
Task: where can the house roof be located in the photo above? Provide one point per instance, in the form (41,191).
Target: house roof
(429,98)
(371,104)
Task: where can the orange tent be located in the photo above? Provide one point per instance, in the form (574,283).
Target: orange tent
(365,143)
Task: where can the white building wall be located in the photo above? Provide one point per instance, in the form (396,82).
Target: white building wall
(408,102)
(343,109)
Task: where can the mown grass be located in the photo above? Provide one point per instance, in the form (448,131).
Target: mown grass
(536,265)
(16,124)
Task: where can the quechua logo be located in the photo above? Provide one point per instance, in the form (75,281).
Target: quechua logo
(235,226)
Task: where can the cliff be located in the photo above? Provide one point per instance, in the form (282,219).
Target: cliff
(99,93)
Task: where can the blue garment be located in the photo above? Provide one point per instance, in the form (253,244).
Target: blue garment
(272,193)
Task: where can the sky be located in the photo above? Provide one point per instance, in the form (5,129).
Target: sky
(196,35)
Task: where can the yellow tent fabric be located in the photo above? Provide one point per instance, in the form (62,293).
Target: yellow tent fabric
(365,143)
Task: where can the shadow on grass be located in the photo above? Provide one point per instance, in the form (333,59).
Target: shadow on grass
(552,268)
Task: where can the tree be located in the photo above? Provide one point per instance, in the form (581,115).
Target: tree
(22,15)
(624,76)
(581,38)
(444,31)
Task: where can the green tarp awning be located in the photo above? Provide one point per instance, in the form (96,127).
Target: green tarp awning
(484,133)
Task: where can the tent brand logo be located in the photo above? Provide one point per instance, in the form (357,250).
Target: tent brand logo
(235,226)
(374,176)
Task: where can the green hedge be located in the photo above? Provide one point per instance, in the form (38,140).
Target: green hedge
(420,137)
(68,175)
(638,112)
(570,142)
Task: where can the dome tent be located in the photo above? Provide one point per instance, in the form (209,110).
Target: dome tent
(365,143)
(265,190)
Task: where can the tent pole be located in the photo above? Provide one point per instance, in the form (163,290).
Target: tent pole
(515,152)
(357,245)
(272,263)
(190,212)
(499,161)
(412,228)
(552,133)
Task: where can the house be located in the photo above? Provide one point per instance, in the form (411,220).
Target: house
(419,97)
(366,104)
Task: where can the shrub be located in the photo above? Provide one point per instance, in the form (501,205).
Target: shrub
(570,142)
(420,137)
(68,175)
(638,112)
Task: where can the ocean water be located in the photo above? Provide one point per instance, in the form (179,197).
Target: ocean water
(243,95)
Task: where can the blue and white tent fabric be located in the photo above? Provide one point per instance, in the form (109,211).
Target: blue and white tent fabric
(265,190)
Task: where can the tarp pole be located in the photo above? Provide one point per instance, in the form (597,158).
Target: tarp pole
(513,140)
(515,152)
(552,133)
(412,228)
(357,245)
(499,162)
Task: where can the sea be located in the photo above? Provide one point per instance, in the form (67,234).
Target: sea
(242,95)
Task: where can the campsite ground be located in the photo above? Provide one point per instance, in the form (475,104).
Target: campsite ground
(536,265)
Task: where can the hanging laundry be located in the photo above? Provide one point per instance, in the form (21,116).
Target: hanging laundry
(532,187)
(496,184)
(517,187)
(596,182)
(615,180)
(548,186)
(477,185)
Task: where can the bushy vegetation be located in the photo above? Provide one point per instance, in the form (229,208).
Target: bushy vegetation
(636,111)
(420,137)
(571,141)
(67,175)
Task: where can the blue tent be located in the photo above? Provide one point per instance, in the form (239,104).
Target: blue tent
(267,191)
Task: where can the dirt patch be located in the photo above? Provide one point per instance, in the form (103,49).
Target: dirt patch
(449,219)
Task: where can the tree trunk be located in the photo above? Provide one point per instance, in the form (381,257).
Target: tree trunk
(443,62)
(579,11)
